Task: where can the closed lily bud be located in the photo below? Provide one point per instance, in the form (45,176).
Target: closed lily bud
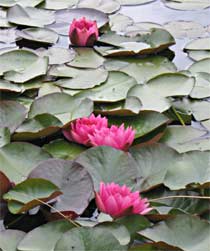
(119,201)
(83,32)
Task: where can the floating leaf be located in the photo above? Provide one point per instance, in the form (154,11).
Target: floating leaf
(8,36)
(159,164)
(4,136)
(119,22)
(58,4)
(9,239)
(134,2)
(41,35)
(185,139)
(202,86)
(62,149)
(102,5)
(12,114)
(198,54)
(114,89)
(93,239)
(108,165)
(29,194)
(30,16)
(200,66)
(183,231)
(7,86)
(154,94)
(74,181)
(199,44)
(18,159)
(187,5)
(23,3)
(66,107)
(36,239)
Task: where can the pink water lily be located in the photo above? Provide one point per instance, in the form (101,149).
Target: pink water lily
(119,201)
(117,137)
(81,129)
(83,32)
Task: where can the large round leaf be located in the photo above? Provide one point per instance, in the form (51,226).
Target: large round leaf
(187,5)
(134,2)
(23,3)
(18,159)
(12,114)
(109,165)
(159,164)
(114,89)
(202,86)
(200,66)
(58,4)
(29,194)
(66,107)
(30,16)
(36,239)
(9,239)
(93,239)
(154,94)
(74,181)
(183,231)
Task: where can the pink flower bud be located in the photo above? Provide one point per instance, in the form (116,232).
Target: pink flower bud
(81,129)
(117,137)
(83,32)
(119,201)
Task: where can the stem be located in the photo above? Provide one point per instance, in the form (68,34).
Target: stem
(66,218)
(181,196)
(178,116)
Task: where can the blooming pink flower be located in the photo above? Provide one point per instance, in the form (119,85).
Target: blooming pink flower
(119,201)
(82,128)
(117,137)
(83,32)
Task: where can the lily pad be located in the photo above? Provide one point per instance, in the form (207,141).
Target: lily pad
(114,89)
(9,239)
(41,35)
(154,94)
(200,66)
(30,16)
(66,108)
(86,58)
(202,86)
(18,159)
(29,194)
(182,231)
(77,78)
(119,22)
(102,5)
(4,136)
(23,3)
(199,44)
(7,86)
(73,180)
(8,36)
(134,2)
(36,239)
(12,114)
(198,54)
(109,165)
(58,4)
(62,149)
(185,139)
(187,5)
(160,164)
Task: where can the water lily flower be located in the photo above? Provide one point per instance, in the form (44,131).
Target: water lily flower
(82,128)
(83,32)
(119,201)
(117,137)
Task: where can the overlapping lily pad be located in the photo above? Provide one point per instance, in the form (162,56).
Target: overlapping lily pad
(23,3)
(187,5)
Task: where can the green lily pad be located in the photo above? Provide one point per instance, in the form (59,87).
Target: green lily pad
(78,78)
(86,58)
(48,88)
(41,35)
(12,114)
(93,239)
(181,231)
(187,5)
(36,239)
(57,55)
(154,94)
(23,3)
(9,239)
(141,28)
(109,165)
(119,22)
(198,54)
(160,164)
(73,180)
(62,149)
(58,4)
(187,29)
(185,139)
(30,16)
(8,36)
(66,108)
(199,44)
(27,194)
(206,124)
(143,123)
(142,69)
(202,86)
(40,126)
(114,89)
(102,5)
(18,159)
(134,2)
(3,19)
(7,86)
(4,136)
(200,66)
